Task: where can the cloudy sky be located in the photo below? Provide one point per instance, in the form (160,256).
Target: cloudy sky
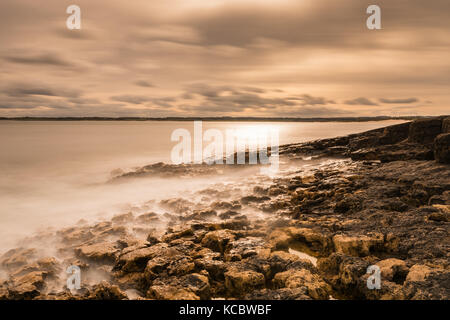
(280,58)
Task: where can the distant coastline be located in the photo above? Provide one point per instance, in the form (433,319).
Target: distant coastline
(253,119)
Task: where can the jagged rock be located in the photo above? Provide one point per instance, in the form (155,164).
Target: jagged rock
(446,125)
(244,248)
(219,240)
(253,199)
(164,292)
(317,241)
(27,286)
(316,287)
(425,283)
(177,264)
(15,258)
(349,203)
(49,265)
(104,252)
(393,270)
(358,245)
(198,284)
(148,217)
(442,148)
(123,218)
(238,283)
(136,260)
(181,232)
(425,130)
(210,261)
(279,239)
(106,291)
(395,134)
(76,235)
(418,273)
(279,294)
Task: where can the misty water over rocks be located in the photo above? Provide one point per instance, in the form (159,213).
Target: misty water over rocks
(335,207)
(54,173)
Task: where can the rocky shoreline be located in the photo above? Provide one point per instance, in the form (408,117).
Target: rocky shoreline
(338,206)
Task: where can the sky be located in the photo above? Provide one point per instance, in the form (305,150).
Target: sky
(261,58)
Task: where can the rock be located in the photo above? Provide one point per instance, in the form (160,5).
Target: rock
(253,199)
(427,283)
(279,239)
(316,287)
(147,218)
(164,292)
(424,130)
(439,216)
(358,245)
(317,241)
(393,270)
(28,286)
(106,291)
(244,248)
(198,284)
(15,258)
(131,280)
(76,235)
(280,261)
(49,265)
(279,294)
(349,203)
(176,264)
(446,125)
(238,283)
(210,262)
(104,252)
(218,241)
(417,273)
(123,218)
(395,134)
(442,148)
(136,260)
(236,223)
(181,232)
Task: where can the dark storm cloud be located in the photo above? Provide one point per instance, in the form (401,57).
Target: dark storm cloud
(361,102)
(399,101)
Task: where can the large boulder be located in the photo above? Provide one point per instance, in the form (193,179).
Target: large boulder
(218,241)
(394,134)
(360,246)
(424,130)
(446,125)
(241,282)
(103,252)
(316,288)
(394,270)
(442,148)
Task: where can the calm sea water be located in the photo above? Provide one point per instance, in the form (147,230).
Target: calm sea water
(52,172)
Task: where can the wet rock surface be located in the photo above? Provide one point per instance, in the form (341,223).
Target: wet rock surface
(336,207)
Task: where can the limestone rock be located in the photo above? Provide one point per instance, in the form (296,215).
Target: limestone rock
(442,148)
(241,282)
(425,130)
(358,245)
(316,287)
